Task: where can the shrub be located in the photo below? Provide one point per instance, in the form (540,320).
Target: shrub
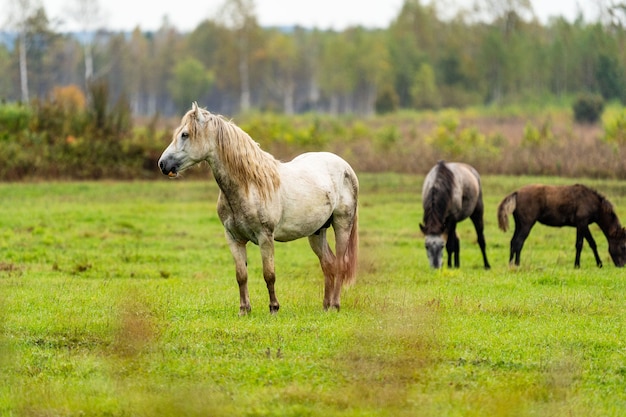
(456,143)
(70,98)
(615,129)
(13,119)
(387,101)
(534,136)
(387,137)
(588,108)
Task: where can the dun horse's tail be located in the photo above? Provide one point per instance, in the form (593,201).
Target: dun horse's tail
(352,252)
(506,207)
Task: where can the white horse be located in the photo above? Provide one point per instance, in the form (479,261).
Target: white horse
(263,200)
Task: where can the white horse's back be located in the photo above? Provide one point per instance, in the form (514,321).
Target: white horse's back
(314,187)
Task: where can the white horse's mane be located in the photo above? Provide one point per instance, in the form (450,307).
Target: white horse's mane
(242,158)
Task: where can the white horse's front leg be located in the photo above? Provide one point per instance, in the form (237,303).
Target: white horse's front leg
(240,255)
(266,244)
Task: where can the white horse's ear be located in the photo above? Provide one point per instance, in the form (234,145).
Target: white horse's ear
(197,112)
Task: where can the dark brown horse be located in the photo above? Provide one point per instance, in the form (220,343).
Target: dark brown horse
(571,205)
(450,194)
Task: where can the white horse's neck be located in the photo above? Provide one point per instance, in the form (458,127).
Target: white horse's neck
(224,180)
(243,175)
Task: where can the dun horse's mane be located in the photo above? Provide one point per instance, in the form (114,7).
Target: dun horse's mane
(242,157)
(437,200)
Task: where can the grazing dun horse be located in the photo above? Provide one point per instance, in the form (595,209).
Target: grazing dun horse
(451,193)
(569,205)
(263,200)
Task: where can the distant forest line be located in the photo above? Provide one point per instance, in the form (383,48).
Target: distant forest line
(230,64)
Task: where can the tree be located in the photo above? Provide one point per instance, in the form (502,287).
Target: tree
(371,67)
(134,59)
(281,62)
(610,78)
(506,13)
(424,88)
(43,49)
(5,67)
(412,40)
(308,46)
(190,81)
(613,12)
(88,15)
(239,15)
(19,19)
(335,77)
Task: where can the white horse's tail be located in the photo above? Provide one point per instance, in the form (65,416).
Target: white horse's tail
(506,207)
(352,253)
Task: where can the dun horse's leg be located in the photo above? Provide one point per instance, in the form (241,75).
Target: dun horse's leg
(457,252)
(320,246)
(266,243)
(477,219)
(450,244)
(239,252)
(453,246)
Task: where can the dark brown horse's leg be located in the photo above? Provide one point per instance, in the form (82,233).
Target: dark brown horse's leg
(584,232)
(579,246)
(517,241)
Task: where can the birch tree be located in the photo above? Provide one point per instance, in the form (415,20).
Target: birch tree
(19,14)
(87,14)
(239,15)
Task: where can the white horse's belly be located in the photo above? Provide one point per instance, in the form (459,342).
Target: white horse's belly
(303,215)
(310,192)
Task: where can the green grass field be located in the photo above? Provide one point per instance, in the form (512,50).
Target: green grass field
(119,299)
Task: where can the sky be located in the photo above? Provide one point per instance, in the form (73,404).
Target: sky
(185,15)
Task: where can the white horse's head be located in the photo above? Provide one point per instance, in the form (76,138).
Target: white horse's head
(187,148)
(434,250)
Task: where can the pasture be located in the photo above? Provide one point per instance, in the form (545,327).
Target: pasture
(120,299)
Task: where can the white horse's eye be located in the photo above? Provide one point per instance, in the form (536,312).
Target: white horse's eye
(184,135)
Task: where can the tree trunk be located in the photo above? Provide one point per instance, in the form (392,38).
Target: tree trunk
(288,91)
(88,63)
(23,67)
(244,74)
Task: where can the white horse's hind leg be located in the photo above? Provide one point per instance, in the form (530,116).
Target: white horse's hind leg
(319,244)
(342,236)
(240,256)
(266,243)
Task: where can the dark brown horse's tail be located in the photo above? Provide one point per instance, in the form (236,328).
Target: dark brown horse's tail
(352,252)
(506,207)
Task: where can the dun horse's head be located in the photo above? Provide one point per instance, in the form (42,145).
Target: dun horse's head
(434,247)
(186,148)
(617,247)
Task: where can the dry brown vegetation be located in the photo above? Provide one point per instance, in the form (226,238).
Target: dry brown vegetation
(514,145)
(547,142)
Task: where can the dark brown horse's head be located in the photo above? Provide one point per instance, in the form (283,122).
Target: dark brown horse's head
(614,232)
(617,247)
